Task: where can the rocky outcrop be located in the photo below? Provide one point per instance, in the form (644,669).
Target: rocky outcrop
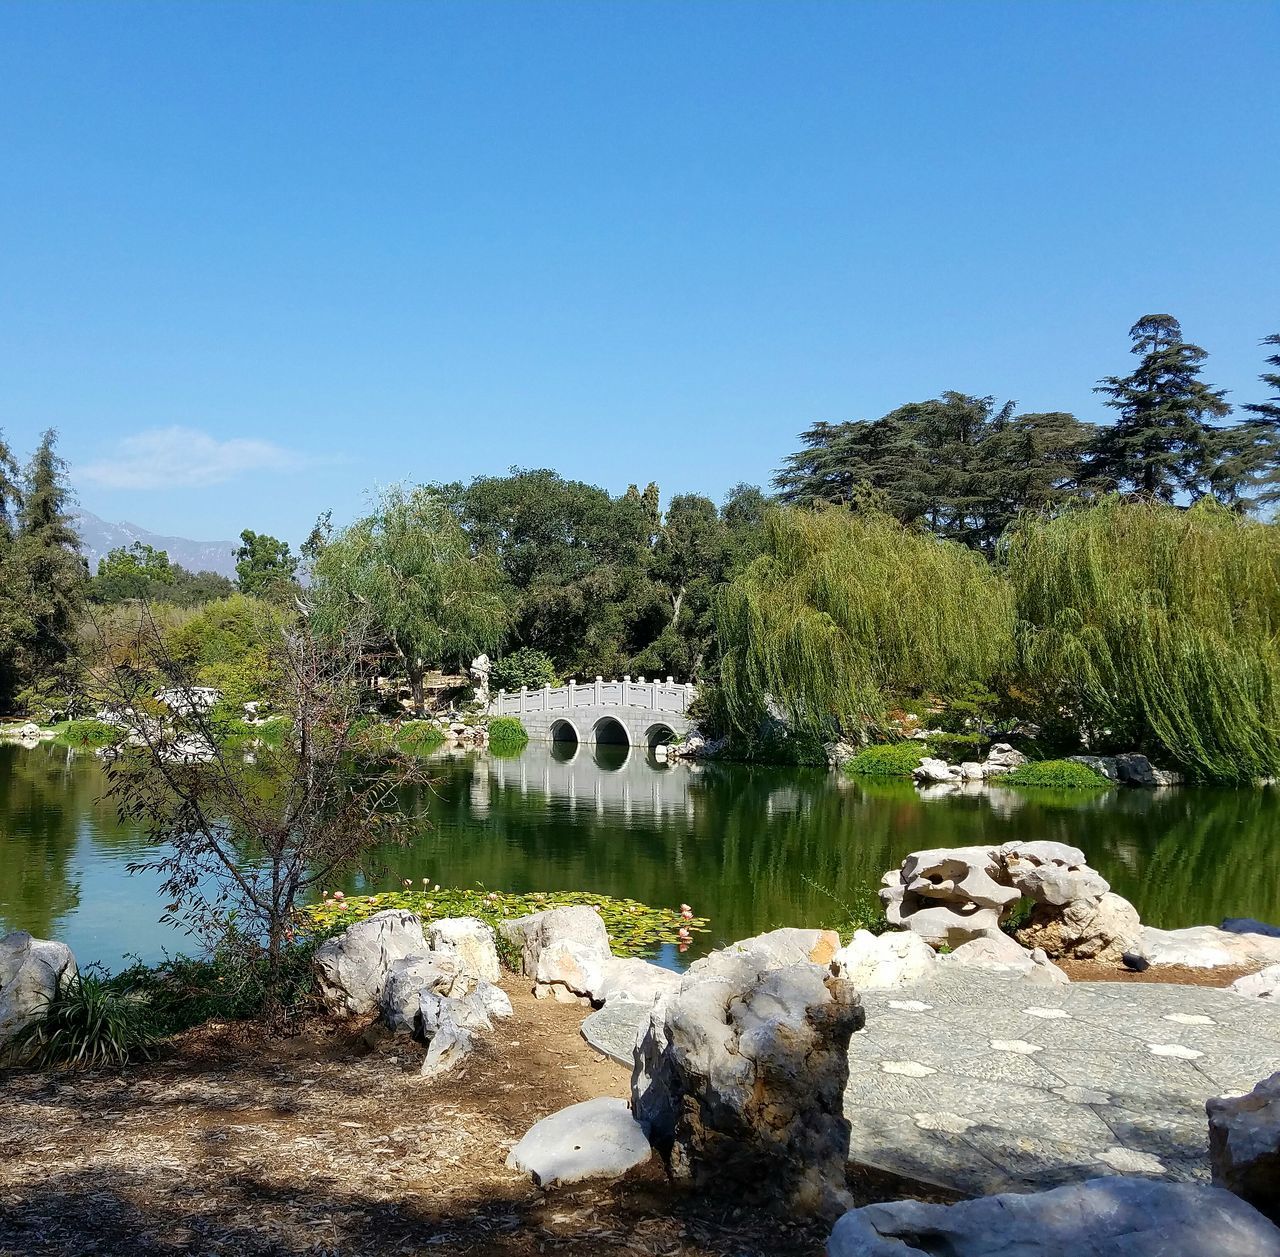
(408,978)
(32,972)
(872,962)
(1086,929)
(1130,769)
(954,895)
(595,1139)
(352,969)
(471,942)
(1206,947)
(1000,954)
(1265,984)
(562,949)
(1244,1145)
(739,1077)
(1104,1217)
(1002,758)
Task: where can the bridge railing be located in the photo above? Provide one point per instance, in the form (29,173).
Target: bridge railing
(669,696)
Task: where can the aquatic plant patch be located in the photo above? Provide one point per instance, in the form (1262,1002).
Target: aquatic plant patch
(1055,774)
(635,929)
(893,759)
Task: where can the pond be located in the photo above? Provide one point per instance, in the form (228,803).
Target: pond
(750,847)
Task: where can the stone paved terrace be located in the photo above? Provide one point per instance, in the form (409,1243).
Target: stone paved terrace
(986,1083)
(989,1083)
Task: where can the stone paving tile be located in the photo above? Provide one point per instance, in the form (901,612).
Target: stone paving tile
(1026,1095)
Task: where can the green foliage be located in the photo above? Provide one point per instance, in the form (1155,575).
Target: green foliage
(142,572)
(843,614)
(235,983)
(958,465)
(87,1024)
(861,911)
(1162,444)
(410,568)
(87,734)
(957,746)
(1055,774)
(417,737)
(890,759)
(1156,629)
(634,929)
(229,645)
(507,735)
(523,667)
(265,567)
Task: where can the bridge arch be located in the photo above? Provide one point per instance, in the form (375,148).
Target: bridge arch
(610,731)
(563,730)
(659,734)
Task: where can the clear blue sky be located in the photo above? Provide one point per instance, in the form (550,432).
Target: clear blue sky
(258,258)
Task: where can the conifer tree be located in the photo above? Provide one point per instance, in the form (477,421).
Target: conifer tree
(50,572)
(1163,444)
(1250,460)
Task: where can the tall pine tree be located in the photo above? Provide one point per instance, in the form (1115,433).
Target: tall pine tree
(1250,460)
(1163,444)
(52,573)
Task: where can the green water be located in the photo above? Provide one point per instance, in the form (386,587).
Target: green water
(748,847)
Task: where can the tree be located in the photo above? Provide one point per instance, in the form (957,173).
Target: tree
(135,571)
(241,840)
(409,567)
(1250,450)
(51,575)
(845,614)
(265,567)
(574,561)
(1163,444)
(958,465)
(1153,628)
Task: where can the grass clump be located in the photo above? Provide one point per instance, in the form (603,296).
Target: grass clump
(90,1022)
(891,759)
(1055,774)
(507,735)
(418,737)
(634,929)
(86,735)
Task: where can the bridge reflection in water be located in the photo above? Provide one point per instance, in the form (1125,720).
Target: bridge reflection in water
(604,778)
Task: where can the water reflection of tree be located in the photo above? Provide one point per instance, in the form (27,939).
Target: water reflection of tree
(44,797)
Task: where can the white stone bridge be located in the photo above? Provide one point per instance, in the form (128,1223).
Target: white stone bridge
(625,712)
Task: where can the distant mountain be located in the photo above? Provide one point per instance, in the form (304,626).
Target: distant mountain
(97,537)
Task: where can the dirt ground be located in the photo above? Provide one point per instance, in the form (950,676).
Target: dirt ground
(327,1142)
(1179,975)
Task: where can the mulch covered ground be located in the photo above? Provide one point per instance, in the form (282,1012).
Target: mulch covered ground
(326,1142)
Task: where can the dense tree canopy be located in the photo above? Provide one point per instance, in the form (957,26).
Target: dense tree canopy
(265,566)
(142,573)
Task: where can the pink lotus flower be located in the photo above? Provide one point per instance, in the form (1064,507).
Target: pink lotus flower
(408,881)
(337,894)
(684,907)
(687,913)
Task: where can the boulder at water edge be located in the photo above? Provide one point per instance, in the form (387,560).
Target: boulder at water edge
(32,972)
(1244,1145)
(562,949)
(1104,1217)
(1087,929)
(739,1079)
(874,963)
(352,969)
(471,942)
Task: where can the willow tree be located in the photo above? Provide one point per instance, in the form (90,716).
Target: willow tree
(409,568)
(1156,628)
(845,613)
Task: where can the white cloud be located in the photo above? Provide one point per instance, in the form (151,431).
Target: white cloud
(185,458)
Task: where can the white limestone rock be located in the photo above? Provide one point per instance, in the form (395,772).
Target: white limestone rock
(580,925)
(999,953)
(1002,758)
(1265,984)
(631,978)
(1051,872)
(1206,947)
(32,972)
(947,895)
(739,1080)
(932,771)
(352,969)
(408,978)
(1244,1145)
(595,1139)
(775,949)
(471,941)
(1103,930)
(1103,1217)
(893,959)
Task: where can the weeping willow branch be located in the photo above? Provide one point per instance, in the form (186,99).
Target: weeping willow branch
(844,613)
(1156,627)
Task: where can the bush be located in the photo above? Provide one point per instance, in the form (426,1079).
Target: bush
(418,737)
(88,734)
(893,759)
(861,911)
(1055,774)
(507,735)
(525,666)
(90,1022)
(957,746)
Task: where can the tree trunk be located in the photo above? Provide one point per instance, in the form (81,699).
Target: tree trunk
(416,674)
